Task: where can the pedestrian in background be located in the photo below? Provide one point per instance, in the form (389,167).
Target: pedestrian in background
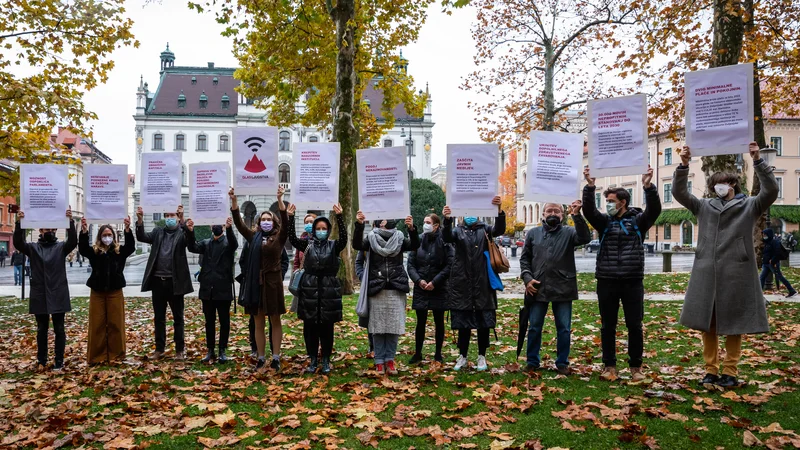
(16,261)
(771,261)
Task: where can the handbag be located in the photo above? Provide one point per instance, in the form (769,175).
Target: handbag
(494,280)
(362,307)
(497,258)
(294,281)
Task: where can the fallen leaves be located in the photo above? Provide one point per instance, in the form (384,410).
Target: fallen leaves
(750,440)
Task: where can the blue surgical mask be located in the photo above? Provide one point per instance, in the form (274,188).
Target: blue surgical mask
(266,225)
(309,228)
(322,234)
(171,222)
(470,220)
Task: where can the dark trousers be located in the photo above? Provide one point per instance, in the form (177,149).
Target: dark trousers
(779,278)
(610,293)
(422,321)
(316,333)
(2,262)
(163,296)
(42,326)
(464,335)
(211,309)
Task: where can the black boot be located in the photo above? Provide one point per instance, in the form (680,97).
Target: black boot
(326,365)
(728,382)
(312,366)
(223,357)
(59,365)
(416,359)
(210,356)
(710,378)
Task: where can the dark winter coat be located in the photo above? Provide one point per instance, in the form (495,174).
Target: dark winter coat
(181,278)
(549,257)
(431,262)
(243,255)
(469,288)
(107,267)
(216,272)
(621,253)
(264,270)
(385,272)
(772,249)
(16,259)
(320,290)
(49,286)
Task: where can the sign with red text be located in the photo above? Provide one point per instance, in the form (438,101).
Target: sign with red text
(618,136)
(105,190)
(383,183)
(719,110)
(161,182)
(255,160)
(472,179)
(208,193)
(44,190)
(315,175)
(554,167)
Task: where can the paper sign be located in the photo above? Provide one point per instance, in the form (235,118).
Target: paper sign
(383,183)
(208,197)
(315,175)
(719,110)
(554,167)
(472,179)
(105,189)
(618,136)
(161,182)
(255,161)
(44,195)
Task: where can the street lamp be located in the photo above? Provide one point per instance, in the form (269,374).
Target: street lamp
(409,149)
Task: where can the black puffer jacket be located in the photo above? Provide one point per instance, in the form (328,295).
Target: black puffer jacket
(621,253)
(216,269)
(320,290)
(431,262)
(107,267)
(385,272)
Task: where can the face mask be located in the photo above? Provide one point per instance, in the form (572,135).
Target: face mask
(391,224)
(722,190)
(470,221)
(266,225)
(309,228)
(217,230)
(322,234)
(171,223)
(427,227)
(611,209)
(107,240)
(765,238)
(49,236)
(552,221)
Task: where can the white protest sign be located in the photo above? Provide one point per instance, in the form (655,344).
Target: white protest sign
(44,195)
(315,175)
(255,160)
(161,182)
(383,183)
(105,190)
(618,136)
(719,110)
(472,179)
(208,197)
(554,167)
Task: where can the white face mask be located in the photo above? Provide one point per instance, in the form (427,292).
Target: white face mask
(107,240)
(722,190)
(427,227)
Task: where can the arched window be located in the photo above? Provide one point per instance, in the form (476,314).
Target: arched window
(158,141)
(524,152)
(285,139)
(202,143)
(184,181)
(387,143)
(284,173)
(525,213)
(203,100)
(687,231)
(224,143)
(535,218)
(524,179)
(180,142)
(313,139)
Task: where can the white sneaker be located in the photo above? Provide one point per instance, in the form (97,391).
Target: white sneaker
(482,364)
(460,363)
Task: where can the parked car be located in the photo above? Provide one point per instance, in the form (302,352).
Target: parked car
(593,246)
(520,243)
(506,241)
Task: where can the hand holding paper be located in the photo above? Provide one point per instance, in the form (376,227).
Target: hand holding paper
(84,225)
(575,207)
(589,180)
(446,212)
(647,178)
(755,153)
(686,156)
(360,217)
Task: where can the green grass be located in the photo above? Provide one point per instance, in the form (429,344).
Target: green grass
(425,406)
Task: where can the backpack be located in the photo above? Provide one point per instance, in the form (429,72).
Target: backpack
(783,251)
(622,223)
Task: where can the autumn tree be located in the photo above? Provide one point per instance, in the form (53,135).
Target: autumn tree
(51,53)
(508,191)
(536,58)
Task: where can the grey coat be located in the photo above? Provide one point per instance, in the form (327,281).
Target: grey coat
(724,276)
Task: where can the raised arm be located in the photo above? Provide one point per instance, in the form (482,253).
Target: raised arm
(233,243)
(191,243)
(130,244)
(680,184)
(341,241)
(141,235)
(411,243)
(595,218)
(358,233)
(582,234)
(72,238)
(297,243)
(246,233)
(499,227)
(769,186)
(84,247)
(283,234)
(19,237)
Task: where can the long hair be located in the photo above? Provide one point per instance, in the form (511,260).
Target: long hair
(276,221)
(98,243)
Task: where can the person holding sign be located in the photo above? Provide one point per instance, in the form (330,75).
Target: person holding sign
(620,267)
(471,299)
(216,280)
(262,293)
(319,304)
(106,340)
(386,284)
(167,275)
(49,287)
(724,295)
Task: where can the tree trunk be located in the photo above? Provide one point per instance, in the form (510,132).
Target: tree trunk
(344,131)
(549,95)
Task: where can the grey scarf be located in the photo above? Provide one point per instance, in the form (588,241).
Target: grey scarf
(386,242)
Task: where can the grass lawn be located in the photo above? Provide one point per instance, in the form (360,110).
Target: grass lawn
(163,405)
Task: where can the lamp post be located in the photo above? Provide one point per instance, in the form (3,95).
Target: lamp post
(409,149)
(768,155)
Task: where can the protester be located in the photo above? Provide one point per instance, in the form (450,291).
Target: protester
(471,299)
(262,294)
(723,297)
(547,265)
(106,342)
(16,262)
(771,261)
(620,267)
(363,322)
(386,284)
(297,261)
(216,283)
(252,322)
(49,294)
(429,268)
(167,276)
(320,301)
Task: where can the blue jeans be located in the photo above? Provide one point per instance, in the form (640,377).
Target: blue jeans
(562,311)
(385,347)
(779,278)
(17,275)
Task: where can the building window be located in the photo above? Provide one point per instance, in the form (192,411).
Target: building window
(630,192)
(524,179)
(285,141)
(524,152)
(156,217)
(525,212)
(180,142)
(194,80)
(183,175)
(284,174)
(780,186)
(313,139)
(224,143)
(202,143)
(203,100)
(668,156)
(667,192)
(181,100)
(158,141)
(215,81)
(387,143)
(597,199)
(667,231)
(776,142)
(648,157)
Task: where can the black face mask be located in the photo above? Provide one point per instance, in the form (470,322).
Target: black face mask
(552,221)
(49,236)
(391,224)
(217,230)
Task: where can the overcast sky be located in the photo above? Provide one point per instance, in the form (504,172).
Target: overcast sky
(441,57)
